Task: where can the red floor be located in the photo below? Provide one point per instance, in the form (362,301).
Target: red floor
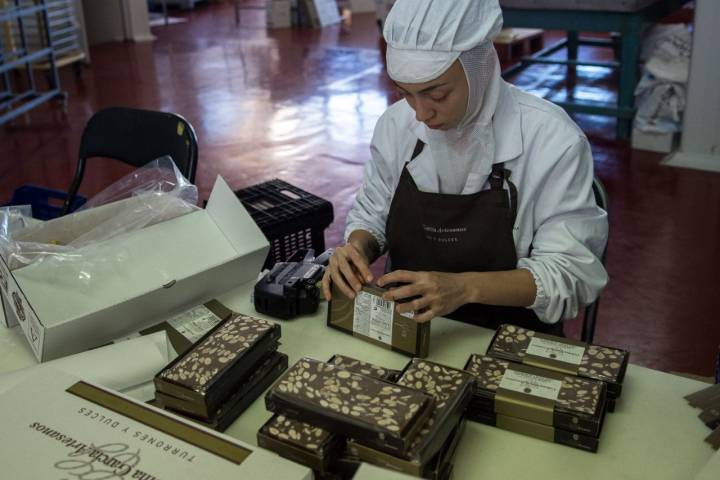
(301,105)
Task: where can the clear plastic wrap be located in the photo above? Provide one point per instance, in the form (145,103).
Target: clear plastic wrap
(151,194)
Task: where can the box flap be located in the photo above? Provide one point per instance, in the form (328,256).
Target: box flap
(235,222)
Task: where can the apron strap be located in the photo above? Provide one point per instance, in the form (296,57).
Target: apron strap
(500,175)
(497,176)
(418,149)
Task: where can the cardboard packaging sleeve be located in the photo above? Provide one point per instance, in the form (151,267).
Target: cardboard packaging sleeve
(535,430)
(452,391)
(705,398)
(187,328)
(265,374)
(541,396)
(561,355)
(344,466)
(370,318)
(374,412)
(437,468)
(206,375)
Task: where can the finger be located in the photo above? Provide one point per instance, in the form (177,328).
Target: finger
(361,265)
(416,305)
(425,316)
(340,282)
(326,285)
(403,276)
(351,276)
(406,291)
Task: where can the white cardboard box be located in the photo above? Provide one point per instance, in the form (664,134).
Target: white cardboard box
(164,269)
(278,14)
(57,426)
(654,142)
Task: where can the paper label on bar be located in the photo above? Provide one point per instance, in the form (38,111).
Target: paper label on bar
(531,384)
(381,320)
(373,317)
(542,347)
(195,323)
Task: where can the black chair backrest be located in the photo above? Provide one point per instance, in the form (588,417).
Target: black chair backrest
(136,137)
(590,316)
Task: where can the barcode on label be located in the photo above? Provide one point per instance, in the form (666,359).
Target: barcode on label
(380,303)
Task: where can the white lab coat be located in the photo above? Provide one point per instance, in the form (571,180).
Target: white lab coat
(552,168)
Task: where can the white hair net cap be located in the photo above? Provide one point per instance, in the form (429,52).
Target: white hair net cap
(425,37)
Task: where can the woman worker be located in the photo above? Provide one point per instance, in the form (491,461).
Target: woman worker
(480,193)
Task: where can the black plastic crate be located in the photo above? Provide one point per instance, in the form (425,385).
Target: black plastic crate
(291,218)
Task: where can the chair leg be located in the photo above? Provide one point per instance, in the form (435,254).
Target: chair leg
(74,187)
(589,318)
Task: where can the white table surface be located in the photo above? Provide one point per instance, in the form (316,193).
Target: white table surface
(653,433)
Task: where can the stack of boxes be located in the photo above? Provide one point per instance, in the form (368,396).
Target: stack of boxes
(708,401)
(332,415)
(223,373)
(548,387)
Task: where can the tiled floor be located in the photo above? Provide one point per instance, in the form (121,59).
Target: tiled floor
(301,105)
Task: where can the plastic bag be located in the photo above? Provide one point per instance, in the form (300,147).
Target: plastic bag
(660,105)
(154,193)
(666,51)
(661,93)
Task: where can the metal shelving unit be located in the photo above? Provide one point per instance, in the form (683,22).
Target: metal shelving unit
(19,91)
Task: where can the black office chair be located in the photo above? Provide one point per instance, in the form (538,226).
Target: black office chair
(591,311)
(136,137)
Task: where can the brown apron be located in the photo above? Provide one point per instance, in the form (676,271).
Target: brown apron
(460,233)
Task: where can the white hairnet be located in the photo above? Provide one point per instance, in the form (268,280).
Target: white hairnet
(472,142)
(425,37)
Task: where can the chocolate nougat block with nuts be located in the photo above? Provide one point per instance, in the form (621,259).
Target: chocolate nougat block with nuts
(562,355)
(452,390)
(364,368)
(300,442)
(374,412)
(309,445)
(537,395)
(206,375)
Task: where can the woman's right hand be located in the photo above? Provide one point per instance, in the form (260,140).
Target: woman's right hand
(348,269)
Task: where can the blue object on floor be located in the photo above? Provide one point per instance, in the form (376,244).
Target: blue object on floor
(47,203)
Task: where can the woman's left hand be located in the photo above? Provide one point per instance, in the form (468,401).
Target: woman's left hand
(437,293)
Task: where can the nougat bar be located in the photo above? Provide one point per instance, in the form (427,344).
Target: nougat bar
(267,371)
(300,442)
(207,374)
(364,368)
(372,411)
(562,355)
(588,443)
(452,390)
(541,396)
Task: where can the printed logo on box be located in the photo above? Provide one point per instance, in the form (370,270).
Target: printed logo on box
(4,274)
(23,311)
(19,310)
